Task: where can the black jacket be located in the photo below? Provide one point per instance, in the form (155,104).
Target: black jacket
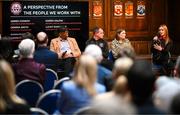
(102,44)
(161,57)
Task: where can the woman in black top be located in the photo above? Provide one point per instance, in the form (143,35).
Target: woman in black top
(161,47)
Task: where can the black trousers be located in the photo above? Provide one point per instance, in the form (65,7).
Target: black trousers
(66,65)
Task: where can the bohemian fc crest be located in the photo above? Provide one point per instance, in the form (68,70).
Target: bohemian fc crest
(16,8)
(141,9)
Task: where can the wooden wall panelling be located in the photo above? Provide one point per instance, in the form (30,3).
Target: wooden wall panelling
(157,14)
(137,27)
(115,22)
(142,47)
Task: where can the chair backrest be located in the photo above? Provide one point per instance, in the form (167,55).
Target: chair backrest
(50,79)
(29,90)
(83,111)
(58,84)
(49,101)
(37,111)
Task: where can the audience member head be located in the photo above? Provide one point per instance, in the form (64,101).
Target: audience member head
(141,81)
(121,66)
(26,48)
(27,35)
(98,33)
(7,86)
(166,89)
(6,50)
(160,81)
(121,85)
(177,68)
(94,51)
(120,34)
(127,51)
(163,32)
(42,39)
(85,72)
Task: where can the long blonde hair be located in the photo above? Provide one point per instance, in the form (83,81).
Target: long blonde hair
(7,86)
(167,38)
(86,73)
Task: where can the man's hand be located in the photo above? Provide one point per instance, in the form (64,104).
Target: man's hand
(63,54)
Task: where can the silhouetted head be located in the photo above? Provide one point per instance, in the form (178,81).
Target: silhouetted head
(27,35)
(141,81)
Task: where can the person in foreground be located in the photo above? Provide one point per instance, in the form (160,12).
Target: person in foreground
(26,67)
(103,74)
(43,54)
(78,92)
(141,81)
(10,103)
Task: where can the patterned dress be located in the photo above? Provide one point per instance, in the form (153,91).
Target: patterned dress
(117,46)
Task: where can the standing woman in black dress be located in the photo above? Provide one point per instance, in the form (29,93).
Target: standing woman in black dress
(161,47)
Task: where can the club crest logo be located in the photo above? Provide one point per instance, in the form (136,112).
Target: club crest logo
(16,8)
